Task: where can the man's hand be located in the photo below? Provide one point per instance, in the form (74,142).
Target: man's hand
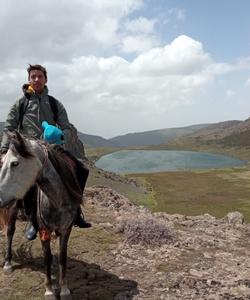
(52,134)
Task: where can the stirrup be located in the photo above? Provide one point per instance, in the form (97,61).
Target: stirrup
(31,233)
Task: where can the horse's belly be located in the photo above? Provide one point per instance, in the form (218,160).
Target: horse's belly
(56,218)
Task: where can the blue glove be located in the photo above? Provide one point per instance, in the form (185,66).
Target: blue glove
(52,134)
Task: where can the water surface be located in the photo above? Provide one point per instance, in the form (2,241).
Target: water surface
(145,161)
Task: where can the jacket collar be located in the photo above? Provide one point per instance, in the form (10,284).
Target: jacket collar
(29,92)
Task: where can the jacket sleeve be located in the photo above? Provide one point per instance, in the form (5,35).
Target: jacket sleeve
(63,121)
(11,124)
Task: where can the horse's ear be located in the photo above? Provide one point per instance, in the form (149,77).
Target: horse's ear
(18,141)
(17,136)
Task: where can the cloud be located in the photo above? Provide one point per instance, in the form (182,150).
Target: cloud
(230,93)
(141,25)
(59,30)
(177,13)
(247,83)
(183,56)
(156,82)
(139,35)
(157,79)
(109,67)
(181,15)
(138,43)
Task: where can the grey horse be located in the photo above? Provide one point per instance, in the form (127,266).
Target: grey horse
(30,163)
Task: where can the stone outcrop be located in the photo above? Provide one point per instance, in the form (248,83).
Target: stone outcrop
(203,258)
(132,253)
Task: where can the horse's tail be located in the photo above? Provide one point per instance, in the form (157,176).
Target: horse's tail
(4,218)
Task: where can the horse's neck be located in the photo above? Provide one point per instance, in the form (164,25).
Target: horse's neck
(49,180)
(51,185)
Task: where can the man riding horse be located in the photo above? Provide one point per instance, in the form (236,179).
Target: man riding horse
(30,115)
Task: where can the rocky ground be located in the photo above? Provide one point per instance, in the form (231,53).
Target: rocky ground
(131,253)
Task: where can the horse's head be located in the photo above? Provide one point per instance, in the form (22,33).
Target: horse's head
(19,170)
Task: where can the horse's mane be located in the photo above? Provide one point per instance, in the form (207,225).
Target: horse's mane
(65,165)
(17,143)
(63,162)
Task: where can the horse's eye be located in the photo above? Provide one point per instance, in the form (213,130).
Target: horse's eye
(14,164)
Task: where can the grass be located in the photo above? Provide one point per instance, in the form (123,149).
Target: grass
(197,192)
(217,191)
(94,153)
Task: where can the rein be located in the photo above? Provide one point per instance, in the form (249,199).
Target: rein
(45,161)
(44,233)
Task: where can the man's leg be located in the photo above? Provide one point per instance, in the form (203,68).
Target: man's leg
(80,221)
(82,173)
(30,205)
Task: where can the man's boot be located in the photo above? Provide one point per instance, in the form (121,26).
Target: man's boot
(31,232)
(29,203)
(80,221)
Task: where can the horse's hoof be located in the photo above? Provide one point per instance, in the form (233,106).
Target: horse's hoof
(65,294)
(7,269)
(49,295)
(66,297)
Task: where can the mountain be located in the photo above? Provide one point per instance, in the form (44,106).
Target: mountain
(154,137)
(1,126)
(96,141)
(230,133)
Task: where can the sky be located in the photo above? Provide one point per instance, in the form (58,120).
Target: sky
(123,66)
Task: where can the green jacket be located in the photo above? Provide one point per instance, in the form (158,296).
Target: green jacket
(37,111)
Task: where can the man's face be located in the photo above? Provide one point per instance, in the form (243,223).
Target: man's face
(37,80)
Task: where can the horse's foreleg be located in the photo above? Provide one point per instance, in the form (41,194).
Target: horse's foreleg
(11,227)
(47,261)
(65,292)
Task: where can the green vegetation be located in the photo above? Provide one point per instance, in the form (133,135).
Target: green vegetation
(93,153)
(191,192)
(197,192)
(137,190)
(147,198)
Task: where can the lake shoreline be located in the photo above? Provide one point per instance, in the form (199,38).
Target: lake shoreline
(148,161)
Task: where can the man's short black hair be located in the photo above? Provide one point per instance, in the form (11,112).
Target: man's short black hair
(37,67)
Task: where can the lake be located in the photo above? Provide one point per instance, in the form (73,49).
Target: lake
(145,161)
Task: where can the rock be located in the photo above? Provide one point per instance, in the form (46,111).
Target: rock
(234,218)
(208,258)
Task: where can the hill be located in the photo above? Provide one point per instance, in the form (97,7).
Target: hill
(1,126)
(131,253)
(228,133)
(95,141)
(154,137)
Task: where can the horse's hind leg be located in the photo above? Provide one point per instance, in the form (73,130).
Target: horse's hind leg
(65,292)
(11,227)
